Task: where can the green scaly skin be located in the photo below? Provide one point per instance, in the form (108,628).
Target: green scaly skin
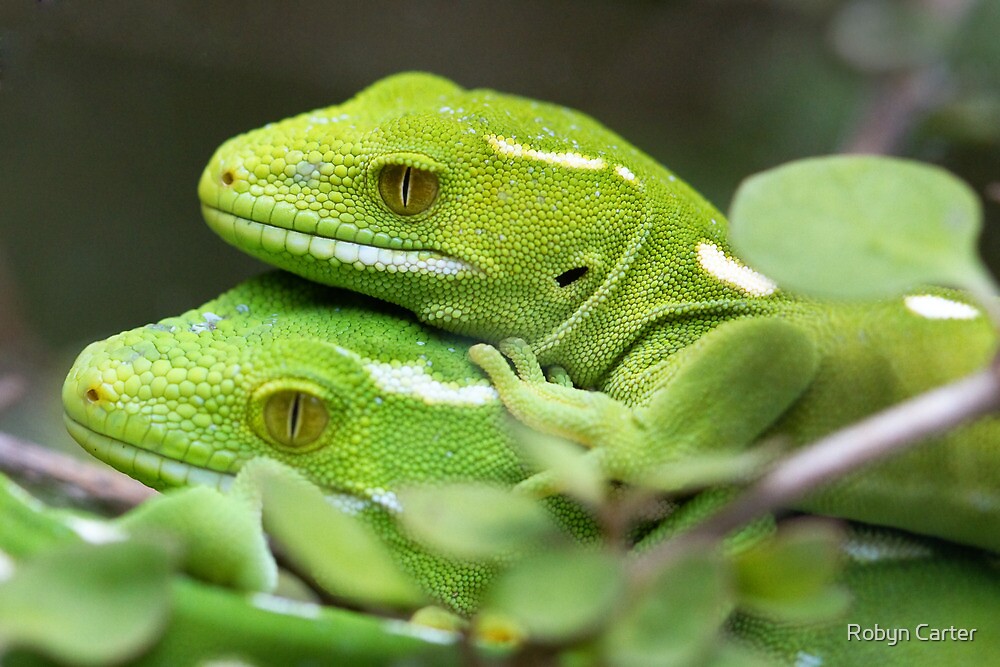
(550,228)
(897,583)
(183,402)
(276,332)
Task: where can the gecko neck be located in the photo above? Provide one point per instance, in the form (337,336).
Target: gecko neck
(660,296)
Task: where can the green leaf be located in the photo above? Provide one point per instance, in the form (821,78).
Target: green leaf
(473,520)
(559,594)
(567,464)
(859,227)
(88,604)
(343,554)
(220,535)
(791,576)
(677,619)
(28,525)
(702,470)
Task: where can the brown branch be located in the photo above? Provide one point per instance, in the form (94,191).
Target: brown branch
(898,102)
(11,390)
(993,191)
(27,460)
(887,432)
(902,97)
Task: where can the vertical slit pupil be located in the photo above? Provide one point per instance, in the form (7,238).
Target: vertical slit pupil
(295,417)
(406,186)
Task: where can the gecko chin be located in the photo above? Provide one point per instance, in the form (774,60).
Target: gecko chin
(150,468)
(362,250)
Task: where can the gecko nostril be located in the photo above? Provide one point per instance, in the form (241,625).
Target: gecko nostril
(228,177)
(92,395)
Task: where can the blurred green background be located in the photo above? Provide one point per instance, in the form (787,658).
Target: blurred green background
(108,112)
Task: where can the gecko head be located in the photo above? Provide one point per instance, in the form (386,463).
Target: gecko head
(281,369)
(485,214)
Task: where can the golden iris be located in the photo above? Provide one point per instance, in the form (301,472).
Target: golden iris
(407,190)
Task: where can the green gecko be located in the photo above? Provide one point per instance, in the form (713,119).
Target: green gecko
(505,218)
(360,398)
(353,394)
(912,600)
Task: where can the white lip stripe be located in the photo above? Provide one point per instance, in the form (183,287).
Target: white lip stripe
(131,459)
(414,380)
(939,308)
(573,160)
(336,251)
(728,270)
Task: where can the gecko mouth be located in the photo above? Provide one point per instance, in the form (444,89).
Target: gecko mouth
(162,472)
(148,467)
(358,248)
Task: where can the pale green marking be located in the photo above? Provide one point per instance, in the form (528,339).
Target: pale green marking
(935,307)
(720,266)
(569,159)
(408,379)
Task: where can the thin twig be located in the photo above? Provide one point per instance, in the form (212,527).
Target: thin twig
(993,191)
(30,461)
(901,98)
(899,101)
(887,432)
(11,391)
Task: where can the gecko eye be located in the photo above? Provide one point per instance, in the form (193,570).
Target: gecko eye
(571,276)
(407,190)
(295,418)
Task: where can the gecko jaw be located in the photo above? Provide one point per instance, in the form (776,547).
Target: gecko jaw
(162,472)
(150,468)
(259,237)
